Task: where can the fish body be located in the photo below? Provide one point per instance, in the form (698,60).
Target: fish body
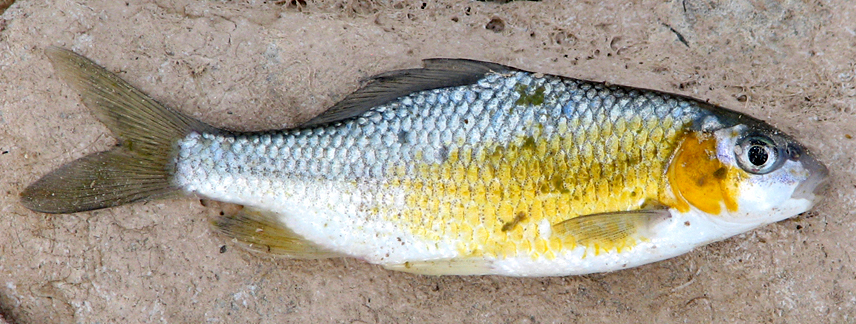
(461,167)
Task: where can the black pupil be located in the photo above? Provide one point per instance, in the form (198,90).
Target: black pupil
(757,155)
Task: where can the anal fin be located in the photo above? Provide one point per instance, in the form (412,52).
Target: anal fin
(261,231)
(607,229)
(458,267)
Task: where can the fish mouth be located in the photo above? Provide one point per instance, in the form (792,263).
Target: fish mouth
(817,182)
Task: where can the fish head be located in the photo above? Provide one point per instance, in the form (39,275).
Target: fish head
(746,174)
(781,177)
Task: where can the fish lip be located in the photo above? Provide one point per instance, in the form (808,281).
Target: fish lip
(817,182)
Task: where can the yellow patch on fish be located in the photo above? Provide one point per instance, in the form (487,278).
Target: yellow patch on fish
(496,203)
(698,178)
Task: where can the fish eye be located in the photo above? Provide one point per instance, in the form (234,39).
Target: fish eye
(757,154)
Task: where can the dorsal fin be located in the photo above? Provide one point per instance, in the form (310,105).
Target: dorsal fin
(385,87)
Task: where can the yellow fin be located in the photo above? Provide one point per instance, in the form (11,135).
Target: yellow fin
(608,229)
(458,267)
(261,231)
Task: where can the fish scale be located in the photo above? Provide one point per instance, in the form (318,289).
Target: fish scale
(517,167)
(459,167)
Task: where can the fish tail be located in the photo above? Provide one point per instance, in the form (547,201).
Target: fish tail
(139,168)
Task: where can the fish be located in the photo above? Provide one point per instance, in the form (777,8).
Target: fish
(460,167)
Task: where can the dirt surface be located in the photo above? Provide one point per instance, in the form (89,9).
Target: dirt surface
(255,65)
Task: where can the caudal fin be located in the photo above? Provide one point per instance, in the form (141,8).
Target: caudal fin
(139,168)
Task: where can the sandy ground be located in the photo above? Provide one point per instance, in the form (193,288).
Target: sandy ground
(253,65)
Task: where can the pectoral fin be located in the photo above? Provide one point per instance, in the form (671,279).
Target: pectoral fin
(606,229)
(262,231)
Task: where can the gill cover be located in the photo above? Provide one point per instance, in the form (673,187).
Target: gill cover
(744,173)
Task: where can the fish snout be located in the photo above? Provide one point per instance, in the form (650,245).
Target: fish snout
(817,181)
